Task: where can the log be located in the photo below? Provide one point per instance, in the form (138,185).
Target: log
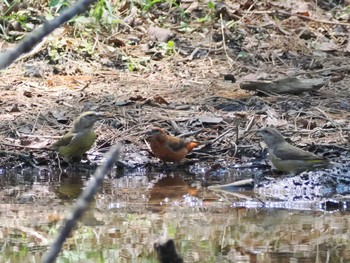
(284,86)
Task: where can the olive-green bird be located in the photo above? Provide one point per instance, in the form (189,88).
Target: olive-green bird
(79,139)
(288,158)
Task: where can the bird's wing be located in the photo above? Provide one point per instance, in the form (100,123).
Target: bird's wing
(64,140)
(286,151)
(176,144)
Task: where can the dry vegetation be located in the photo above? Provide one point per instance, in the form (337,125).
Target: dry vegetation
(164,64)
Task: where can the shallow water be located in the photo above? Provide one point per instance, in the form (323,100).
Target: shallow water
(135,210)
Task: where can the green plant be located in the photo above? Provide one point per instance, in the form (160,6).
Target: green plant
(169,47)
(135,64)
(104,14)
(147,4)
(58,4)
(208,17)
(56,50)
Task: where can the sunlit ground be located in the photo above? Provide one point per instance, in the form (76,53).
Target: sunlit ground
(136,210)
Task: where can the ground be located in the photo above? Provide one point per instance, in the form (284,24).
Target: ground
(143,75)
(181,66)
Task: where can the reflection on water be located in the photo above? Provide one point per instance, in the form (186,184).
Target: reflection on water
(134,211)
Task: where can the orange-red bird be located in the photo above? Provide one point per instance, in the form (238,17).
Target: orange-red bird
(168,148)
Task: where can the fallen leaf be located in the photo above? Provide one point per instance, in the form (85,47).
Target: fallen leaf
(7,117)
(274,118)
(137,98)
(28,94)
(161,34)
(230,77)
(193,6)
(210,119)
(60,117)
(117,41)
(36,143)
(54,217)
(24,129)
(160,100)
(14,108)
(122,103)
(327,46)
(304,13)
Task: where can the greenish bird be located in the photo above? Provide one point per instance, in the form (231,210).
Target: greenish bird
(288,158)
(79,139)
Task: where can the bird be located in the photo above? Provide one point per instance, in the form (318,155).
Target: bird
(168,148)
(79,139)
(288,158)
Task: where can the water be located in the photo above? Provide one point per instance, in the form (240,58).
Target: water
(134,210)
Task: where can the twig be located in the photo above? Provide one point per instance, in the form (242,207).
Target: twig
(175,126)
(250,124)
(230,60)
(59,167)
(20,155)
(239,183)
(28,147)
(297,15)
(329,69)
(334,146)
(328,118)
(223,134)
(236,148)
(36,122)
(230,24)
(186,134)
(194,52)
(31,232)
(43,136)
(26,158)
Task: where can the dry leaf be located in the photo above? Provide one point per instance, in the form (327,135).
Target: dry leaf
(161,34)
(28,94)
(14,108)
(327,46)
(274,119)
(60,116)
(137,98)
(160,100)
(7,117)
(210,119)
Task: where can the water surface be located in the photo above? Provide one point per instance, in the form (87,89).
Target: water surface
(135,210)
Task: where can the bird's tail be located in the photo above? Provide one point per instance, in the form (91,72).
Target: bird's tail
(192,145)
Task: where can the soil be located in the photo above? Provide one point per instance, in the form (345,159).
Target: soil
(142,84)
